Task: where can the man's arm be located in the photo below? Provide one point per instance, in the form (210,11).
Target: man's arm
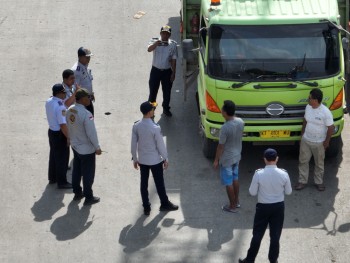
(219,151)
(134,147)
(173,68)
(330,130)
(64,129)
(154,45)
(288,186)
(303,127)
(254,186)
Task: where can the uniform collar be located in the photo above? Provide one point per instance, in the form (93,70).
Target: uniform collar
(271,166)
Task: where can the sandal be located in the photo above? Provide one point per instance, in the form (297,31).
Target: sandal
(320,187)
(300,186)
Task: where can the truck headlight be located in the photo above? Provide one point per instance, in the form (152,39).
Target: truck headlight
(215,132)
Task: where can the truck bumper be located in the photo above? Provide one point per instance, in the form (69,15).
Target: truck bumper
(261,133)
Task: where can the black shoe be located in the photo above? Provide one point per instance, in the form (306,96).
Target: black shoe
(147,211)
(167,113)
(168,207)
(65,186)
(78,197)
(92,200)
(244,261)
(52,181)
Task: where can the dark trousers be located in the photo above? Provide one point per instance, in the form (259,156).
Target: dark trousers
(271,215)
(90,108)
(157,172)
(84,165)
(59,157)
(156,77)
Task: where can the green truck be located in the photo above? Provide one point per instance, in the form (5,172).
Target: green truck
(266,56)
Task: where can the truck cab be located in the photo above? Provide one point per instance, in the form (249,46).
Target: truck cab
(265,56)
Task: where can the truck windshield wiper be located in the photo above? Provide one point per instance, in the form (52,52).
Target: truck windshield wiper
(307,83)
(287,77)
(241,84)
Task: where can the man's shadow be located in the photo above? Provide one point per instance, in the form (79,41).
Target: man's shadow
(73,223)
(138,236)
(49,203)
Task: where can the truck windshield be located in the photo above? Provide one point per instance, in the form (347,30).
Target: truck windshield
(296,52)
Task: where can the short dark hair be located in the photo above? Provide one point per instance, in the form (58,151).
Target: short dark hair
(317,94)
(229,107)
(67,73)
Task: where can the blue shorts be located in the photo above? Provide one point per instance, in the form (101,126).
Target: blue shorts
(229,174)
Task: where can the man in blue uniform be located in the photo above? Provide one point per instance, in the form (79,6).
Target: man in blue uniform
(58,137)
(149,153)
(270,184)
(163,67)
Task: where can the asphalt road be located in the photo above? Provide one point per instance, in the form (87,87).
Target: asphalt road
(39,223)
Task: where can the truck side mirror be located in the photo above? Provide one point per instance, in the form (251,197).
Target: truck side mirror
(187,50)
(345,43)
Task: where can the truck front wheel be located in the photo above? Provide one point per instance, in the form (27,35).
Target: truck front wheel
(335,146)
(209,147)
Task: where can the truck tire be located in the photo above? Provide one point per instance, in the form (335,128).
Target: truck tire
(335,147)
(209,147)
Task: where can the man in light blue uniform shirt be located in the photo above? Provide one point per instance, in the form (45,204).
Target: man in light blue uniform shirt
(270,184)
(58,137)
(149,153)
(83,75)
(163,67)
(85,145)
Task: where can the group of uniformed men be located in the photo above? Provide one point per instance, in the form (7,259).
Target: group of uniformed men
(71,122)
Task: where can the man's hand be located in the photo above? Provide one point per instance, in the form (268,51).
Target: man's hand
(165,165)
(326,144)
(154,45)
(172,77)
(216,164)
(136,165)
(98,152)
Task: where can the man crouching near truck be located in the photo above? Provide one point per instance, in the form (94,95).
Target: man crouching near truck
(228,154)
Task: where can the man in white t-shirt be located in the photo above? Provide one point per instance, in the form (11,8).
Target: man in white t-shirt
(316,134)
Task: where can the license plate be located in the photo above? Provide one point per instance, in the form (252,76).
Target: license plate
(275,134)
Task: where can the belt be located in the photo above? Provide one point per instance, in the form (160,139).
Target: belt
(161,69)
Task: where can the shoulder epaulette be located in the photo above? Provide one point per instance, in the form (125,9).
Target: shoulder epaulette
(257,170)
(78,68)
(60,103)
(136,121)
(73,110)
(283,170)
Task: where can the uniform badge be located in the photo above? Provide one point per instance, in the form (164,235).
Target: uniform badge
(63,112)
(72,119)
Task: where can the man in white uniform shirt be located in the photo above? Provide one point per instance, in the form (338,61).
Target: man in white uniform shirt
(270,185)
(163,67)
(83,76)
(316,134)
(149,153)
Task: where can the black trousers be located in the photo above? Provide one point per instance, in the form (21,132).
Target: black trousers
(157,172)
(271,215)
(84,166)
(59,157)
(156,77)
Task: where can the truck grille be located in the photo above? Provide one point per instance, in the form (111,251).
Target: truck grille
(260,113)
